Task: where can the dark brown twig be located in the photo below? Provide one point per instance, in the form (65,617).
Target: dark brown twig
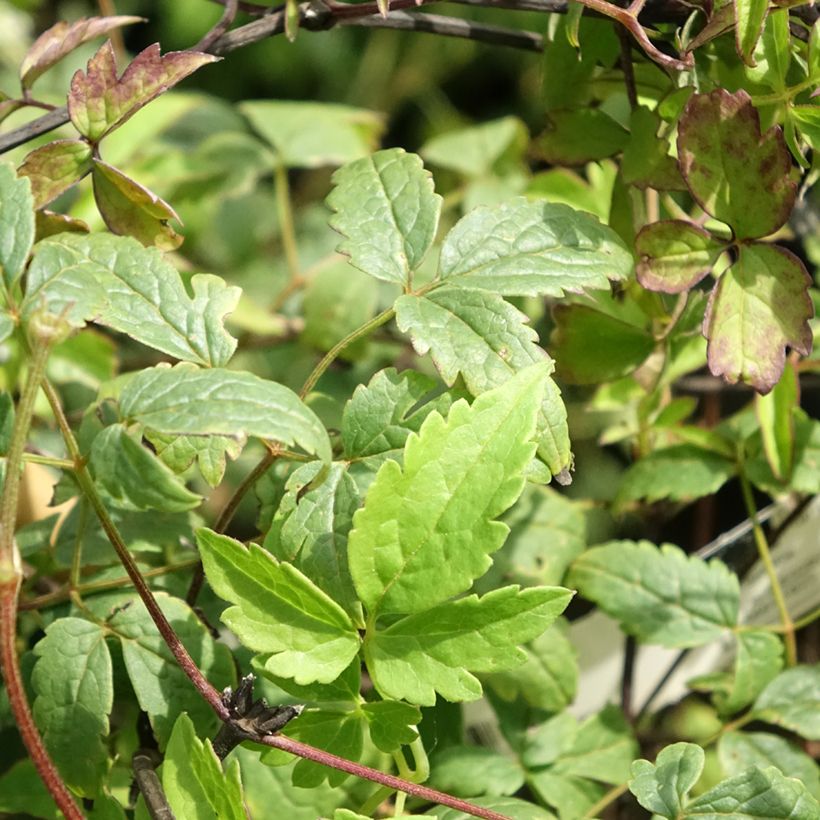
(228,16)
(150,787)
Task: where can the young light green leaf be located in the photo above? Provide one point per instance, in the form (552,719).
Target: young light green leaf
(750,15)
(311,135)
(209,452)
(485,339)
(571,796)
(759,306)
(134,477)
(55,167)
(775,412)
(311,527)
(681,472)
(524,248)
(437,650)
(759,658)
(130,209)
(392,724)
(161,687)
(186,401)
(99,101)
(792,700)
(736,174)
(474,151)
(662,787)
(386,209)
(279,610)
(16,223)
(738,751)
(194,782)
(75,693)
(673,255)
(427,530)
(659,595)
(61,39)
(512,807)
(757,794)
(470,771)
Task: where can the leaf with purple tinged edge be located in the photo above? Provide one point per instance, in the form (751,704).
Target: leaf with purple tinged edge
(759,306)
(61,39)
(129,209)
(55,167)
(738,175)
(674,255)
(99,101)
(750,15)
(49,223)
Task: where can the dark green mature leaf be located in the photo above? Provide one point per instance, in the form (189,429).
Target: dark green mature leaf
(659,595)
(750,15)
(679,473)
(55,167)
(757,794)
(134,477)
(737,174)
(310,135)
(740,750)
(759,658)
(646,162)
(523,248)
(99,101)
(760,305)
(75,693)
(579,135)
(130,209)
(279,610)
(662,787)
(792,700)
(426,531)
(674,255)
(392,724)
(311,527)
(591,346)
(194,782)
(16,223)
(484,339)
(209,452)
(469,771)
(23,792)
(161,687)
(186,401)
(61,39)
(436,650)
(387,211)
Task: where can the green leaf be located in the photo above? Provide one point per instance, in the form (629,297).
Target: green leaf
(162,688)
(16,223)
(311,135)
(759,658)
(579,135)
(55,167)
(6,421)
(99,101)
(591,346)
(572,796)
(116,282)
(61,39)
(184,400)
(426,531)
(775,413)
(385,207)
(773,52)
(437,650)
(134,477)
(738,751)
(310,530)
(760,305)
(659,595)
(674,255)
(474,151)
(130,209)
(194,782)
(736,174)
(75,693)
(646,161)
(757,793)
(278,610)
(483,338)
(511,807)
(22,793)
(681,472)
(792,700)
(805,476)
(392,724)
(548,679)
(662,787)
(750,15)
(470,771)
(209,452)
(523,248)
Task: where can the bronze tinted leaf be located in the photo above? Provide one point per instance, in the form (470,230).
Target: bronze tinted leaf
(55,167)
